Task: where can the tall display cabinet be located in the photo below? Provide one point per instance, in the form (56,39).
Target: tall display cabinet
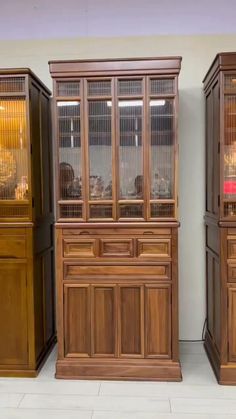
(115,124)
(220,218)
(26,236)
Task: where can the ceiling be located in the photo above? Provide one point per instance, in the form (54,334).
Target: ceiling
(42,19)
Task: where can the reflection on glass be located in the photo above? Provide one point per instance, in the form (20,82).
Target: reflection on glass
(100,150)
(161,86)
(130,87)
(71,211)
(162,149)
(230,148)
(230,82)
(131,210)
(13,149)
(69,150)
(130,150)
(68,88)
(101,211)
(162,210)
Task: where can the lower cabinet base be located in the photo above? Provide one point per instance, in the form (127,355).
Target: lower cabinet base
(225,374)
(27,372)
(94,369)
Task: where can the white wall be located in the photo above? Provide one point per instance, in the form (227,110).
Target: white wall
(198,53)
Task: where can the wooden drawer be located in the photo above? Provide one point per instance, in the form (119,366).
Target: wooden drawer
(88,231)
(76,271)
(116,248)
(12,244)
(231,247)
(232,272)
(149,248)
(79,248)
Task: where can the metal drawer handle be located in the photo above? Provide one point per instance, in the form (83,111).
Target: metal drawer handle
(148,232)
(84,232)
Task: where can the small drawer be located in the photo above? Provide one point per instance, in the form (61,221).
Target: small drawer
(152,248)
(116,248)
(76,271)
(231,248)
(79,248)
(12,246)
(232,272)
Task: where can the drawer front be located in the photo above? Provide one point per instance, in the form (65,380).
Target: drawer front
(87,231)
(232,272)
(231,245)
(79,248)
(75,271)
(149,248)
(12,246)
(116,248)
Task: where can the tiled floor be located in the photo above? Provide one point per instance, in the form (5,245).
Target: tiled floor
(197,397)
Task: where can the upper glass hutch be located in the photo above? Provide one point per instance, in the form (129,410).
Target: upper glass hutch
(116,141)
(14,147)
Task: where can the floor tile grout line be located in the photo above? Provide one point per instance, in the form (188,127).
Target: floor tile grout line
(21,400)
(99,390)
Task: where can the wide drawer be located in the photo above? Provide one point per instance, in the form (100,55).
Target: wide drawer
(117,247)
(76,271)
(12,244)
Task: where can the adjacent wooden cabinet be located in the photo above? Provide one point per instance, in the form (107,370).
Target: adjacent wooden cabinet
(115,124)
(26,224)
(220,218)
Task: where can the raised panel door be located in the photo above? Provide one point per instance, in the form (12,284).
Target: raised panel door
(158,321)
(77,320)
(13,319)
(104,320)
(232,323)
(131,321)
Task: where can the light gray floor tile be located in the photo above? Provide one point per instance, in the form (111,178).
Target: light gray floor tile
(143,415)
(46,414)
(198,373)
(41,401)
(191,348)
(10,400)
(206,406)
(49,387)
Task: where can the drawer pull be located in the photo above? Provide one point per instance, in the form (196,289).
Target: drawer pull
(148,232)
(84,232)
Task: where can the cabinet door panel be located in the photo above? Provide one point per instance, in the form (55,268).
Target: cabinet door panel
(131,327)
(158,321)
(77,320)
(104,320)
(232,324)
(13,319)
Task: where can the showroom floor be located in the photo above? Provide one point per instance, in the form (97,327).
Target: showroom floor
(197,397)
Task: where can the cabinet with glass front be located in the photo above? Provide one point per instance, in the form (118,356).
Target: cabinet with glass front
(26,218)
(220,218)
(115,124)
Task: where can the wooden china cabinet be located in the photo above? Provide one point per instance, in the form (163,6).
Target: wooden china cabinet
(115,124)
(26,224)
(220,218)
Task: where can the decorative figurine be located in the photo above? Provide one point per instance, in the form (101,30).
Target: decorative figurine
(7,174)
(21,191)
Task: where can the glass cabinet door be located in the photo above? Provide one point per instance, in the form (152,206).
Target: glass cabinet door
(70,154)
(229,183)
(130,145)
(162,148)
(100,149)
(13,149)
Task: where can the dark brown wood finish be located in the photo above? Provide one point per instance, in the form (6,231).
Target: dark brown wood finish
(116,255)
(220,218)
(27,325)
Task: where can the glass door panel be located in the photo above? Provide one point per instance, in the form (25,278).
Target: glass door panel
(230,155)
(100,150)
(13,149)
(70,172)
(131,149)
(162,156)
